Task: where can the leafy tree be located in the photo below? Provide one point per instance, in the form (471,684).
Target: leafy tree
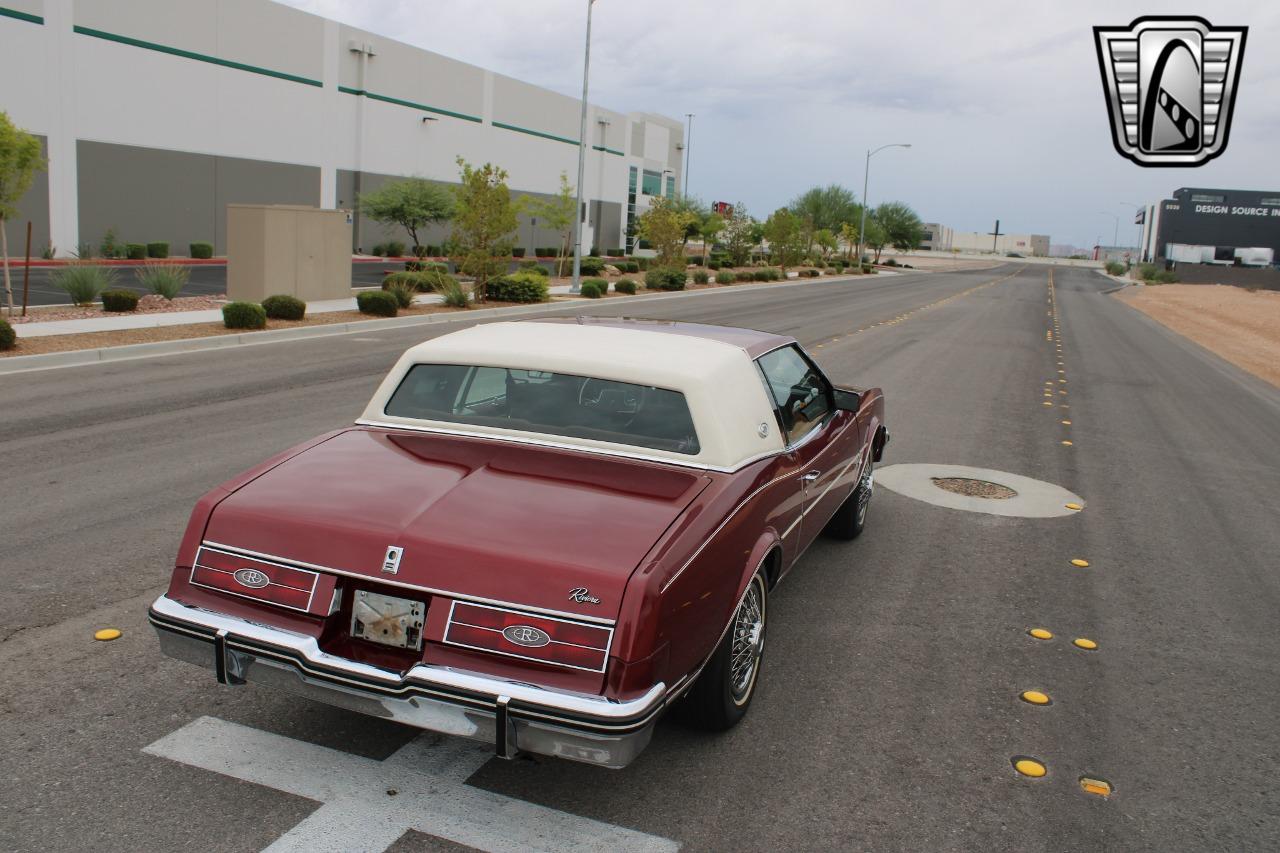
(412,203)
(903,229)
(827,207)
(785,233)
(877,238)
(19,161)
(849,234)
(665,225)
(711,225)
(696,210)
(556,213)
(826,241)
(484,224)
(740,235)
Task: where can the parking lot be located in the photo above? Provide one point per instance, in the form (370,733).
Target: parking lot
(889,714)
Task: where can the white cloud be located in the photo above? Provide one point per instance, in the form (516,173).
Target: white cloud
(1001,100)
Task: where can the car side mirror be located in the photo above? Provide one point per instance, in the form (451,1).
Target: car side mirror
(847,401)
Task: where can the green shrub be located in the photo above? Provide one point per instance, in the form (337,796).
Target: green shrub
(201,251)
(414,266)
(592,265)
(744,275)
(693,260)
(594,288)
(700,277)
(136,251)
(379,249)
(425,281)
(1166,277)
(432,252)
(282,306)
(664,279)
(453,294)
(157,250)
(403,291)
(165,280)
(724,277)
(713,265)
(617,252)
(517,252)
(520,287)
(1114,268)
(395,249)
(1146,272)
(890,262)
(760,275)
(625,285)
(533,267)
(544,252)
(244,315)
(642,264)
(594,253)
(378,302)
(8,337)
(632,266)
(83,283)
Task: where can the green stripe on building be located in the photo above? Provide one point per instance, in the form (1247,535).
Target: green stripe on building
(21,16)
(411,104)
(550,136)
(608,150)
(199,57)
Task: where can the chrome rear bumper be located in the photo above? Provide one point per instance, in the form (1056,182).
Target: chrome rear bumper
(512,716)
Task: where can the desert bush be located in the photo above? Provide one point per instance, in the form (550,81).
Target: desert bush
(378,302)
(201,250)
(592,265)
(453,294)
(642,264)
(82,282)
(432,252)
(713,265)
(517,252)
(424,281)
(165,280)
(282,306)
(724,277)
(890,262)
(594,288)
(157,250)
(625,285)
(395,249)
(520,287)
(1114,268)
(1166,277)
(693,260)
(617,252)
(403,292)
(544,252)
(664,279)
(119,300)
(533,267)
(632,266)
(135,251)
(1147,271)
(244,315)
(701,277)
(380,249)
(8,338)
(760,275)
(744,275)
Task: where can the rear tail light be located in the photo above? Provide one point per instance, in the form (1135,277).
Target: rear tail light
(546,639)
(273,583)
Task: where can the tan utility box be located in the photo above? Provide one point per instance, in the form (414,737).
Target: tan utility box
(280,248)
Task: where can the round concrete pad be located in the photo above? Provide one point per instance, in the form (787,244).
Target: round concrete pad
(1035,498)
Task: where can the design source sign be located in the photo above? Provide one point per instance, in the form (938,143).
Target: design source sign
(1170,84)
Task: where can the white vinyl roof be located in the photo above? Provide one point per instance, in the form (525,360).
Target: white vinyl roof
(721,384)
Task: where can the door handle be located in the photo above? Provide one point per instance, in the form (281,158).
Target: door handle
(810,476)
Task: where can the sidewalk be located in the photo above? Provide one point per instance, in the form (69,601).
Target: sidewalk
(182,318)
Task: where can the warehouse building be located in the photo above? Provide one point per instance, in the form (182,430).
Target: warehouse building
(155,114)
(1036,245)
(1212,226)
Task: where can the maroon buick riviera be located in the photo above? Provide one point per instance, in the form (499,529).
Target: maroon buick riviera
(540,534)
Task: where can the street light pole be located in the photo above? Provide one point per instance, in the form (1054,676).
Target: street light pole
(866,172)
(576,283)
(1115,235)
(688,154)
(1136,208)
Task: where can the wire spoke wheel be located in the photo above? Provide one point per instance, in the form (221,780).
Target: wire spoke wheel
(747,642)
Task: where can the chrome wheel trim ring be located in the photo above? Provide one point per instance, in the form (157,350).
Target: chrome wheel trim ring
(747,642)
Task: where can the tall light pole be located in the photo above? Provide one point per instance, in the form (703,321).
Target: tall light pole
(1115,236)
(866,172)
(576,284)
(688,153)
(1136,208)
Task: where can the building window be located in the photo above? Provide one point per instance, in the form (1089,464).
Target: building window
(631,211)
(1205,198)
(671,186)
(652,183)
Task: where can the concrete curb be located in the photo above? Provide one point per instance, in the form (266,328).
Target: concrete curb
(129,352)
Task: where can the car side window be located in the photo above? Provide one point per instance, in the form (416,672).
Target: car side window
(486,392)
(801,395)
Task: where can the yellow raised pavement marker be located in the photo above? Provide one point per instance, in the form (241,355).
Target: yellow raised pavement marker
(107,634)
(1081,563)
(1029,767)
(1041,633)
(1073,506)
(1066,444)
(1034,697)
(1068,423)
(1083,643)
(1099,787)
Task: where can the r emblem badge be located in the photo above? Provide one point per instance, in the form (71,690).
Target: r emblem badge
(251,578)
(391,562)
(526,635)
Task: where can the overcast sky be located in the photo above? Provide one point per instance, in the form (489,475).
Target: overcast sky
(1001,101)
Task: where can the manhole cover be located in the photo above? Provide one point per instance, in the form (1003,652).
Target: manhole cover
(974,488)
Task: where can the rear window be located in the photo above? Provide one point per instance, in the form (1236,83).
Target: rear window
(558,404)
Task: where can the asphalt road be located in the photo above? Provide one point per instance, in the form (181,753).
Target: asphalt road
(888,712)
(206,279)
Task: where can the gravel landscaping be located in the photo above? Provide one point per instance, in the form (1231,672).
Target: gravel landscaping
(1241,326)
(149,304)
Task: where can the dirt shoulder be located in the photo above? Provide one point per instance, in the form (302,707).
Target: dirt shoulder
(1241,326)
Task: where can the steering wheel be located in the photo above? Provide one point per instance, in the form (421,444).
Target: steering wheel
(621,401)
